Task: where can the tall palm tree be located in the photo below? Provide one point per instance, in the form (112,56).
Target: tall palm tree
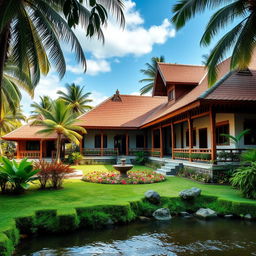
(31,32)
(45,103)
(75,97)
(241,38)
(150,73)
(60,120)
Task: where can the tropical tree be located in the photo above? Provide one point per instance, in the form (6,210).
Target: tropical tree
(31,32)
(76,98)
(60,120)
(236,139)
(241,38)
(150,73)
(45,103)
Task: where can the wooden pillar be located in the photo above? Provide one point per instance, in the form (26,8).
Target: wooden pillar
(173,140)
(101,144)
(190,132)
(18,150)
(213,133)
(161,142)
(41,149)
(127,143)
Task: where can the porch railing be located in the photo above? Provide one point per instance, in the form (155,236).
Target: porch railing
(229,154)
(29,154)
(133,151)
(197,154)
(100,152)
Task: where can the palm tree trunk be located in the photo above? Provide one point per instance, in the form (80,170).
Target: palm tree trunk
(58,148)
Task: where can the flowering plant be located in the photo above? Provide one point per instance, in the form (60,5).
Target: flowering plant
(134,177)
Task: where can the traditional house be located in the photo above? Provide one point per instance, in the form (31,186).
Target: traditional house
(184,118)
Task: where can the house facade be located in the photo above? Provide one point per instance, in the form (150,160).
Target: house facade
(183,119)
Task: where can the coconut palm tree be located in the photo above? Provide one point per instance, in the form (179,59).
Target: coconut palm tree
(31,32)
(150,73)
(60,120)
(241,38)
(45,103)
(75,97)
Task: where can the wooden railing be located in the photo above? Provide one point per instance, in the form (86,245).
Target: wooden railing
(133,151)
(229,154)
(29,154)
(156,152)
(100,152)
(196,154)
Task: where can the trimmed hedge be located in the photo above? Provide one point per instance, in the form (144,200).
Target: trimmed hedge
(53,221)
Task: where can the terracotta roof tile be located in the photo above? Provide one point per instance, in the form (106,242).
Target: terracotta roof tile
(178,73)
(28,132)
(130,112)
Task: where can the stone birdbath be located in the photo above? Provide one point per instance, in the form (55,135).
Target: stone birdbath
(123,168)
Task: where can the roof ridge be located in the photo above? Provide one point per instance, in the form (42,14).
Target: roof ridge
(177,64)
(216,85)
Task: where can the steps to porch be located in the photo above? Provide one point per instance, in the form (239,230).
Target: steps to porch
(170,168)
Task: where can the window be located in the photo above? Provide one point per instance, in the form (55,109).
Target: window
(222,128)
(33,145)
(171,95)
(156,138)
(194,137)
(139,141)
(97,141)
(250,138)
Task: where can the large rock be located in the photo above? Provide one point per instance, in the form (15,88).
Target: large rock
(153,197)
(162,214)
(206,213)
(190,193)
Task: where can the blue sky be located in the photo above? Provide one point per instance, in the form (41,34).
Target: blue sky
(116,64)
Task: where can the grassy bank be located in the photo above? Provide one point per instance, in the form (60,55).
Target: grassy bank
(76,204)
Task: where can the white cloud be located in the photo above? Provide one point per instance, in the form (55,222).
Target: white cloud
(134,39)
(138,93)
(94,67)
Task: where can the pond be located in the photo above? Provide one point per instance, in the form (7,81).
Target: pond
(178,237)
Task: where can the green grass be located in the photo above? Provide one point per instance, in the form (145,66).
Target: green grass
(77,193)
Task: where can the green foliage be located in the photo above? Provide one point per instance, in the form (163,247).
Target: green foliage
(3,181)
(249,156)
(52,174)
(141,158)
(194,175)
(245,180)
(240,38)
(18,174)
(46,221)
(74,158)
(236,139)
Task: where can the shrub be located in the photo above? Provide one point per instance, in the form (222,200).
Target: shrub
(245,180)
(140,157)
(3,181)
(249,156)
(75,158)
(52,174)
(18,174)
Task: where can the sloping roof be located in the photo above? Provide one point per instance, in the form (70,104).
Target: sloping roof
(130,112)
(28,131)
(179,73)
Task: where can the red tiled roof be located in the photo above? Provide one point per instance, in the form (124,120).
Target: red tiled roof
(28,132)
(130,112)
(178,73)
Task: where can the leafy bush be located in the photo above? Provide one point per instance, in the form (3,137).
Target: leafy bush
(18,174)
(140,157)
(249,156)
(74,158)
(223,174)
(3,181)
(194,175)
(245,180)
(52,174)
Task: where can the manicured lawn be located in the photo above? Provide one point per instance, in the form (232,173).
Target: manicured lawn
(77,193)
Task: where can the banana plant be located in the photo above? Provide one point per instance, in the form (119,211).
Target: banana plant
(236,139)
(19,174)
